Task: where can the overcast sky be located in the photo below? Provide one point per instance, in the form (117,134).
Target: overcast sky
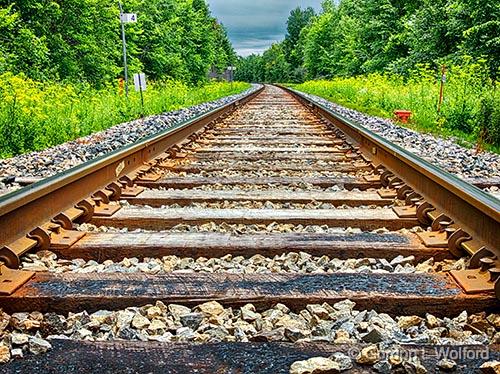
(253,25)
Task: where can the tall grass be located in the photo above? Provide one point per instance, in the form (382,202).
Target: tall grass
(36,115)
(470,110)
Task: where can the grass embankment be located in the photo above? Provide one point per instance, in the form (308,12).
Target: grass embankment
(470,111)
(35,115)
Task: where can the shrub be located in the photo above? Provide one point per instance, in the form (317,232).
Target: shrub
(35,115)
(470,110)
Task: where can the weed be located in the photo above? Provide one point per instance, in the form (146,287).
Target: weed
(470,110)
(35,115)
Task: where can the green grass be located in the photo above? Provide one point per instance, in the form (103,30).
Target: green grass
(470,111)
(36,115)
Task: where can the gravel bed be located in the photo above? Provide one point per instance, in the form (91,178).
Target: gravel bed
(260,163)
(301,263)
(256,205)
(249,229)
(446,153)
(274,147)
(271,186)
(65,156)
(340,323)
(266,173)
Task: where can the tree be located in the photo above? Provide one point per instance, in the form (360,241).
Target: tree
(478,22)
(296,22)
(79,40)
(351,37)
(21,51)
(224,53)
(250,69)
(276,68)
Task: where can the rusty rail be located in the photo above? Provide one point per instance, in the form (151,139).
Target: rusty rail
(464,217)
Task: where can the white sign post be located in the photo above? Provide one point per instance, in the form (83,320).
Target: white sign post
(125,18)
(140,85)
(140,82)
(231,74)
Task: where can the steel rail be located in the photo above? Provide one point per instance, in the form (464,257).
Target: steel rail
(32,206)
(475,211)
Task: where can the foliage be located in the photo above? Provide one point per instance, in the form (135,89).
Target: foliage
(35,115)
(80,40)
(274,64)
(470,109)
(353,37)
(292,46)
(249,69)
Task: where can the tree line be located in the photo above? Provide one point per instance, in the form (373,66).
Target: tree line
(80,40)
(354,37)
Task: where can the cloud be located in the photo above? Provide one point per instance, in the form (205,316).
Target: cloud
(253,25)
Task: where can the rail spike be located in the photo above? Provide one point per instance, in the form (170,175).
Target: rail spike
(88,206)
(385,178)
(455,240)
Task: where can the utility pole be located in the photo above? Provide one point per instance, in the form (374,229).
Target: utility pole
(124,42)
(125,18)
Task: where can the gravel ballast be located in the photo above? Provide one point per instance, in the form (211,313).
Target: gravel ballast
(240,228)
(446,153)
(340,323)
(300,263)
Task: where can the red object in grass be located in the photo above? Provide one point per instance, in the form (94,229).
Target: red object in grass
(403,115)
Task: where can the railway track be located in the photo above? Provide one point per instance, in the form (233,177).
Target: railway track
(231,243)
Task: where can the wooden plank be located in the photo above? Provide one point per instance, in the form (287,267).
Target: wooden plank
(73,356)
(344,167)
(397,294)
(269,156)
(270,149)
(276,122)
(324,182)
(283,131)
(158,198)
(116,246)
(245,141)
(288,139)
(158,219)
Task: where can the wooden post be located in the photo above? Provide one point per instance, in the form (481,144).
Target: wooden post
(441,89)
(121,86)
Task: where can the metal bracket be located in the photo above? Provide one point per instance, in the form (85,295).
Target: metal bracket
(388,193)
(385,177)
(405,211)
(475,260)
(132,191)
(62,239)
(372,178)
(473,281)
(10,254)
(11,280)
(361,165)
(105,210)
(149,176)
(404,191)
(66,218)
(434,239)
(484,278)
